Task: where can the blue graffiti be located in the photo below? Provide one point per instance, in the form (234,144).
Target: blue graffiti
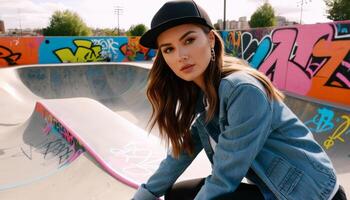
(343,29)
(229,47)
(322,122)
(261,52)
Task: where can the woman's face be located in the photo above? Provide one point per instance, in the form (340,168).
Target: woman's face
(186,49)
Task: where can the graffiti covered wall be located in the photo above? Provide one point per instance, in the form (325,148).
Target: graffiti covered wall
(309,60)
(44,50)
(19,50)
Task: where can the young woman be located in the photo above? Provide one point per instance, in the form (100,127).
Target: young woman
(233,112)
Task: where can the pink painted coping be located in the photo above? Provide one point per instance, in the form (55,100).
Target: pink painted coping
(91,151)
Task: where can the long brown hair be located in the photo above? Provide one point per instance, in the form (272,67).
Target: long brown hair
(173,99)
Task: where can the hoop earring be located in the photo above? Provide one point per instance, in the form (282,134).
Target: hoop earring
(212,54)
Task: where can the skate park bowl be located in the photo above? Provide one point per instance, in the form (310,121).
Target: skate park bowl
(37,162)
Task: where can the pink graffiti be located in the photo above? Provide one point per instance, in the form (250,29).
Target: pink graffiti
(341,76)
(293,71)
(66,135)
(75,155)
(47,128)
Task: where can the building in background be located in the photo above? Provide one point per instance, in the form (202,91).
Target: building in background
(2,27)
(282,21)
(241,24)
(23,32)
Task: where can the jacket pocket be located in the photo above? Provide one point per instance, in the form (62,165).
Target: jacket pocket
(317,165)
(283,175)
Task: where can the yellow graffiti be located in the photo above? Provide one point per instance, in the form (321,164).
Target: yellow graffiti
(337,133)
(86,52)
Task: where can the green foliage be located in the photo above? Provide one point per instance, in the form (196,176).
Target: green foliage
(104,32)
(137,30)
(216,26)
(264,16)
(66,23)
(338,9)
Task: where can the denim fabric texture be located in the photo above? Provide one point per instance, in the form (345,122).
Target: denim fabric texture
(257,138)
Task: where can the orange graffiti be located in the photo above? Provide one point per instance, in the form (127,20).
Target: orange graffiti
(132,48)
(235,41)
(19,51)
(336,52)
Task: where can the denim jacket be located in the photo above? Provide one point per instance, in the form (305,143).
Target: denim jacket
(257,138)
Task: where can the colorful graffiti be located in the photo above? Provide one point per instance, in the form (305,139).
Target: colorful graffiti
(109,48)
(309,60)
(133,51)
(85,52)
(342,128)
(335,125)
(322,122)
(19,51)
(53,125)
(83,49)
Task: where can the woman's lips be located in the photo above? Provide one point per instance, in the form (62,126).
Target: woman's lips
(186,68)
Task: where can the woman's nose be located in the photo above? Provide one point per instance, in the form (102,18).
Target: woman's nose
(183,55)
(184,58)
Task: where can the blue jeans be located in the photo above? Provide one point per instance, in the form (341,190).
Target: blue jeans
(187,190)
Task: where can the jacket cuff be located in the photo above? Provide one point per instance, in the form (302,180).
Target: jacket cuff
(143,194)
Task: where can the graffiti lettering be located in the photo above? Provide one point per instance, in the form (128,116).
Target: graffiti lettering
(56,147)
(7,57)
(343,30)
(322,121)
(134,51)
(109,48)
(309,60)
(335,51)
(54,126)
(337,133)
(145,161)
(85,52)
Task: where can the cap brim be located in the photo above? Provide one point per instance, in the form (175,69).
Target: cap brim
(149,39)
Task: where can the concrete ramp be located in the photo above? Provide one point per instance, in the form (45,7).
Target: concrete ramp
(29,153)
(40,160)
(71,126)
(121,87)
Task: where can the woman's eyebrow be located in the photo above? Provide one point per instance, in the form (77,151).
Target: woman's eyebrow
(187,33)
(162,45)
(182,37)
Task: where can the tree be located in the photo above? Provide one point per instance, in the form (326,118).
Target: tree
(264,16)
(338,9)
(66,23)
(104,32)
(137,30)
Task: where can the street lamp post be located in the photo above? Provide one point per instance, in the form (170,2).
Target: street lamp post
(224,23)
(119,11)
(301,4)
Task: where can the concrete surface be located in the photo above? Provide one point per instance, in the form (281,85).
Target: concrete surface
(30,169)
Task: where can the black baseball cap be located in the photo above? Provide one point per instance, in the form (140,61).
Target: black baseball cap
(171,14)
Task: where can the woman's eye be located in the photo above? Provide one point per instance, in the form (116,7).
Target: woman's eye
(189,40)
(167,50)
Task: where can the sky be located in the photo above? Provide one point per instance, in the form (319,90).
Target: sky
(101,13)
